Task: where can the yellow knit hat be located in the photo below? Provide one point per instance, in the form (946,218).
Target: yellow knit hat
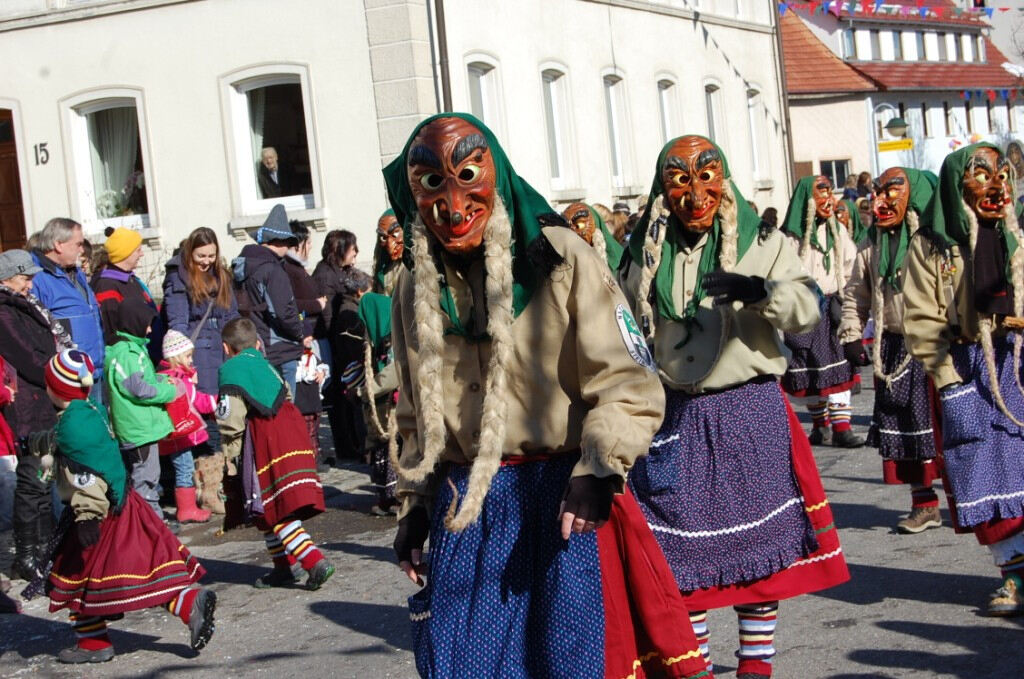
(122,243)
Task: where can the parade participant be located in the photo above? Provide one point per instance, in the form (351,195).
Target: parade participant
(730,487)
(387,254)
(848,215)
(963,289)
(589,226)
(266,443)
(525,395)
(819,375)
(115,555)
(379,392)
(901,427)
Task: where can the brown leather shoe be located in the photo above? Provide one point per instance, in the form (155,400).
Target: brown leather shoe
(921,518)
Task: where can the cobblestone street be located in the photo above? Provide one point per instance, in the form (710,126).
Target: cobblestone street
(911,609)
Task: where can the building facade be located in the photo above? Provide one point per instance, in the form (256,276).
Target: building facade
(159,115)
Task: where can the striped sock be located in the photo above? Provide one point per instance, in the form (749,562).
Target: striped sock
(181,605)
(819,414)
(281,558)
(699,621)
(923,496)
(90,631)
(841,413)
(298,543)
(757,636)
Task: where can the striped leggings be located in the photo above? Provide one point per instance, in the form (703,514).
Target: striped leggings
(757,636)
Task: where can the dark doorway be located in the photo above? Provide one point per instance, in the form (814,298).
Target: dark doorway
(12,216)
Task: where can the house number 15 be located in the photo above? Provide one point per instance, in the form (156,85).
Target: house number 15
(42,155)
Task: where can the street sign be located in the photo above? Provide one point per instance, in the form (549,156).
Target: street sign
(896,145)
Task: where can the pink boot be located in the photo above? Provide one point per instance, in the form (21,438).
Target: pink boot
(188,512)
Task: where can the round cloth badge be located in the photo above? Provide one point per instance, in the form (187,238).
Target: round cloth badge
(635,343)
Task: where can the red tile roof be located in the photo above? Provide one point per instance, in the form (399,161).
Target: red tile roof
(811,67)
(934,75)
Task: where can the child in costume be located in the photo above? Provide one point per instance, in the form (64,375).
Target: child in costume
(901,426)
(115,555)
(265,440)
(177,365)
(963,289)
(138,398)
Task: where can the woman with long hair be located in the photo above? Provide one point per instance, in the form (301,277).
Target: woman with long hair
(198,302)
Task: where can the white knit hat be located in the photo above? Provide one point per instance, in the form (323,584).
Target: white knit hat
(176,344)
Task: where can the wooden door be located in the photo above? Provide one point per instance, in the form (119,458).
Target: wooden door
(12,217)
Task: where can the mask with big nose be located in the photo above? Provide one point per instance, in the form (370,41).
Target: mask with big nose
(892,196)
(452,177)
(581,221)
(390,236)
(824,201)
(986,185)
(694,181)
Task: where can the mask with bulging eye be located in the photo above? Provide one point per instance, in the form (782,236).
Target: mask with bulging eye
(987,188)
(842,213)
(891,198)
(581,221)
(824,201)
(693,177)
(452,177)
(390,237)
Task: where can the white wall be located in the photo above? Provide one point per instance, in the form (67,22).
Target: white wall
(831,129)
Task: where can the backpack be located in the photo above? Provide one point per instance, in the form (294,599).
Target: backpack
(249,304)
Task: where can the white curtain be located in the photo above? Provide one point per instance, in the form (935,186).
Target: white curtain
(257,114)
(114,141)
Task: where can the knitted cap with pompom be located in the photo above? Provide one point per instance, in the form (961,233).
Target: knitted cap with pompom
(69,374)
(175,344)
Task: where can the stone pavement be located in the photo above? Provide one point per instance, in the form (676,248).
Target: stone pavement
(910,610)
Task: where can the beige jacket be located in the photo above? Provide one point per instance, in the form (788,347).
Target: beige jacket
(86,494)
(857,296)
(573,384)
(753,346)
(813,261)
(939,308)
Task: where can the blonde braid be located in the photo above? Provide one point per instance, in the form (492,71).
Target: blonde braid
(837,249)
(369,381)
(878,313)
(652,259)
(498,288)
(598,244)
(430,338)
(809,214)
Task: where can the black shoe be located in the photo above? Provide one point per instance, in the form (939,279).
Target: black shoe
(26,550)
(200,621)
(279,577)
(821,436)
(78,656)
(846,439)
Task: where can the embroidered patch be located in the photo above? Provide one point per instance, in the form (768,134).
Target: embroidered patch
(223,408)
(83,480)
(635,343)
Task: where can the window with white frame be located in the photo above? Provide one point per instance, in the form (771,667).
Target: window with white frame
(836,170)
(967,46)
(876,45)
(668,108)
(919,41)
(618,128)
(109,159)
(979,48)
(484,99)
(849,44)
(556,118)
(274,158)
(942,46)
(897,46)
(756,113)
(712,108)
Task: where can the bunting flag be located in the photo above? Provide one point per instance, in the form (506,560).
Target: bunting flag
(879,8)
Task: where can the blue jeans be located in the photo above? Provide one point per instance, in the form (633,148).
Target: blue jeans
(288,370)
(184,468)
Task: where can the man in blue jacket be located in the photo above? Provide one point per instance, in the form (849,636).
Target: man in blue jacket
(62,288)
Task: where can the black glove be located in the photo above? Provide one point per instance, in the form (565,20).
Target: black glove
(734,287)
(835,310)
(589,497)
(855,354)
(88,532)
(40,443)
(413,530)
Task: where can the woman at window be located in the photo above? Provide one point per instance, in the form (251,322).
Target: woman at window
(198,301)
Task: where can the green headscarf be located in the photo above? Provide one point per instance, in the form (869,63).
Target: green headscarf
(859,228)
(796,213)
(381,259)
(522,202)
(947,218)
(85,440)
(664,280)
(612,248)
(375,313)
(922,188)
(249,376)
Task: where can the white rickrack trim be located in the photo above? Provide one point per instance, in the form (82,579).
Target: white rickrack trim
(291,485)
(964,392)
(731,529)
(659,444)
(903,374)
(818,369)
(906,433)
(1007,496)
(419,617)
(821,557)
